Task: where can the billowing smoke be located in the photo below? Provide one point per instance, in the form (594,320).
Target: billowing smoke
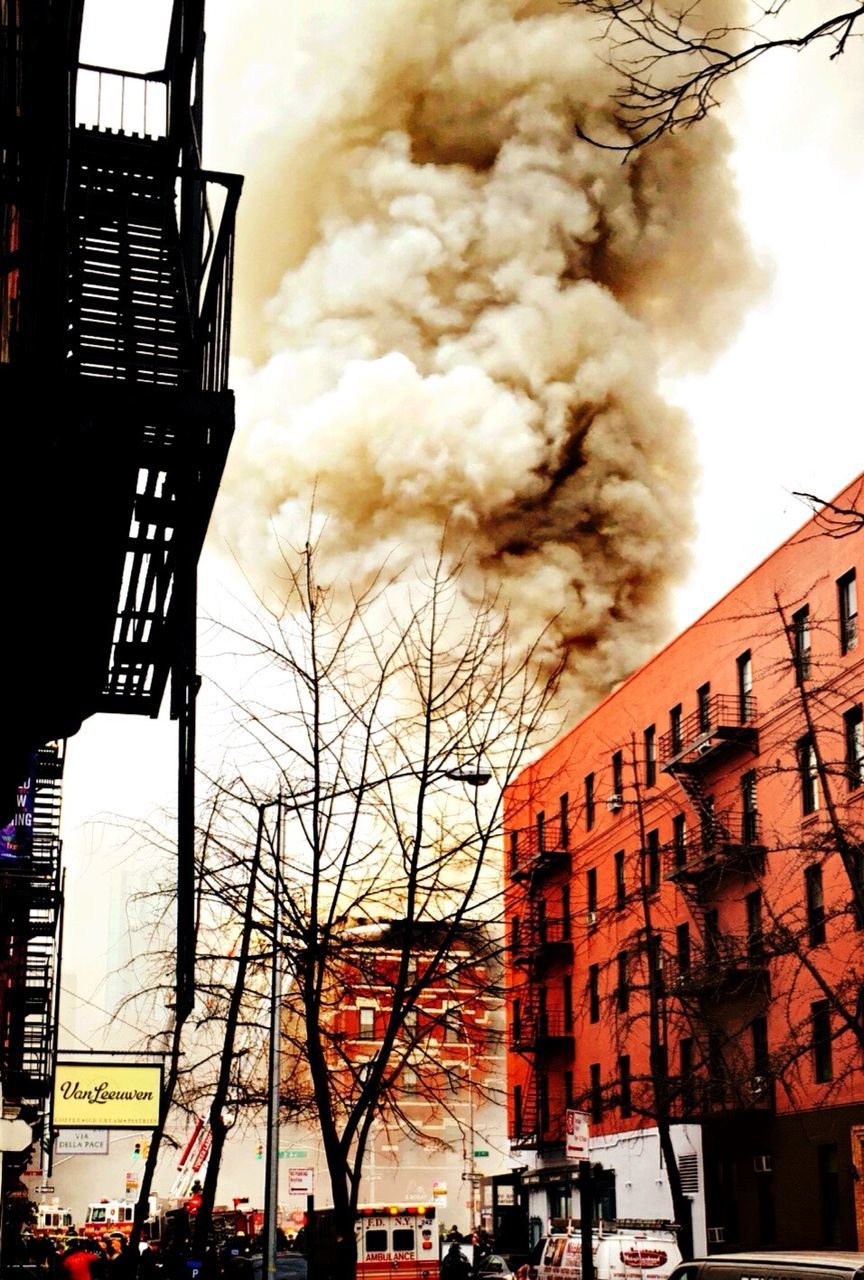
(453,309)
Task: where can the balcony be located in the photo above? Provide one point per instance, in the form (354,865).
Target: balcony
(726,843)
(727,964)
(543,940)
(699,1098)
(537,1031)
(540,849)
(724,722)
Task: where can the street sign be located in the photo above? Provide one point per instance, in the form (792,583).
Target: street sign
(301,1182)
(81,1142)
(577,1135)
(44,1191)
(292,1154)
(481,1153)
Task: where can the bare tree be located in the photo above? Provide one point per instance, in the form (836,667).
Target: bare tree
(384,715)
(673,58)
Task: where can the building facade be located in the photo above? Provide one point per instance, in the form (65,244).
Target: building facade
(685,895)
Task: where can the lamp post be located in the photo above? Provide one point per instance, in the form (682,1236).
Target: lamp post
(271,1149)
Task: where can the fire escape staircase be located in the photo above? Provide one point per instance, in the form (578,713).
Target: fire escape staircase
(31,886)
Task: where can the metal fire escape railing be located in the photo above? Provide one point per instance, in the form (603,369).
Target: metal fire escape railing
(30,884)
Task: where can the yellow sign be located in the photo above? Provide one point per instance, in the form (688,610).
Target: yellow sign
(107,1095)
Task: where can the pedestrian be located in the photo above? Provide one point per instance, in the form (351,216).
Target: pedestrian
(454,1264)
(81,1260)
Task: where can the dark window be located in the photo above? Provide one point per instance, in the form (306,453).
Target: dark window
(591,879)
(623,988)
(853,727)
(858,900)
(703,703)
(564,819)
(830,1197)
(517,1110)
(589,801)
(652,862)
(618,774)
(716,1068)
(517,1021)
(801,643)
(815,899)
(755,936)
(688,1081)
(655,965)
(514,850)
(820,1022)
(675,728)
(650,756)
(745,686)
(808,771)
(750,812)
(565,912)
(515,939)
(568,1088)
(759,1036)
(568,1003)
(679,840)
(847,600)
(594,993)
(403,1239)
(707,823)
(367,1024)
(682,947)
(596,1093)
(376,1239)
(541,832)
(620,887)
(624,1086)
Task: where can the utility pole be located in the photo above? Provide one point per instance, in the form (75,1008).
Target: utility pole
(271,1170)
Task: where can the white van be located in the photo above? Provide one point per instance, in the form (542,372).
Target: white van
(623,1250)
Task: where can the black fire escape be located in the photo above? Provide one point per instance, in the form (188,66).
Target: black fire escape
(116,257)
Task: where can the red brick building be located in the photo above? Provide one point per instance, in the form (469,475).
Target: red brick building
(685,891)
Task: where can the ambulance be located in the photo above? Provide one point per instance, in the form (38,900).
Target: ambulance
(396,1241)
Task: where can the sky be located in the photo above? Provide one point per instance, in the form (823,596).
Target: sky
(777,411)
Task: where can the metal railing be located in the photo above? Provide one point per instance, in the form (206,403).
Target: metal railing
(726,715)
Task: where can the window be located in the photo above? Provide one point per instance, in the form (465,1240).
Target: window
(688,1081)
(820,1024)
(594,993)
(650,756)
(517,1022)
(515,939)
(452,1028)
(623,988)
(815,899)
(589,801)
(675,728)
(591,885)
(618,774)
(565,912)
(409,1080)
(809,774)
(712,935)
(568,1003)
(564,819)
(541,832)
(568,1088)
(596,1093)
(376,1240)
(367,1023)
(759,1038)
(620,887)
(749,812)
(652,862)
(853,730)
(624,1095)
(517,1111)
(703,704)
(801,643)
(655,965)
(745,686)
(848,608)
(682,947)
(755,936)
(514,850)
(858,900)
(707,823)
(679,840)
(409,1023)
(403,1239)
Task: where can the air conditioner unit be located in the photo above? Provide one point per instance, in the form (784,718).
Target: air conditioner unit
(703,749)
(614,803)
(762,1164)
(592,918)
(716,1235)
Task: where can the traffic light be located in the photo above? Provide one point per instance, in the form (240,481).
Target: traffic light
(259,1151)
(136,1151)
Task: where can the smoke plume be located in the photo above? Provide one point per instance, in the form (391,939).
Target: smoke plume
(452,310)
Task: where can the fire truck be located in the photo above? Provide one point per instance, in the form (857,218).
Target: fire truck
(109,1216)
(52,1220)
(391,1238)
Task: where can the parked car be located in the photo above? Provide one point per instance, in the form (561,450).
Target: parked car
(805,1265)
(498,1266)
